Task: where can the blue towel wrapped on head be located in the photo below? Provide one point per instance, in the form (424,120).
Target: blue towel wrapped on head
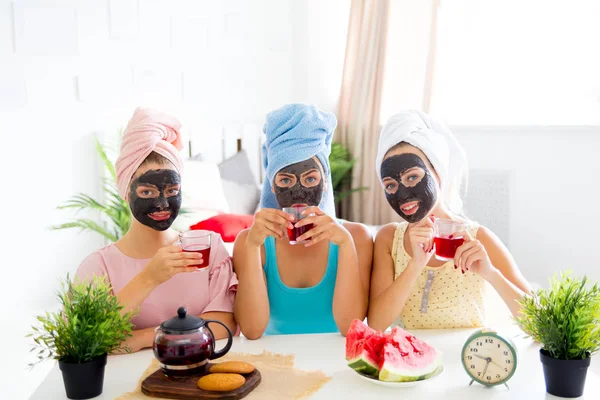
(294,133)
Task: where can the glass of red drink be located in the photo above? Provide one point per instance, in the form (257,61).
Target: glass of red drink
(197,242)
(294,233)
(445,238)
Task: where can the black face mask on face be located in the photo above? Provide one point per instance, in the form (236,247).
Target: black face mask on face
(299,194)
(159,211)
(412,199)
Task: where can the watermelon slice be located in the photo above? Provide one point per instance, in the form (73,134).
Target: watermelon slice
(369,360)
(406,358)
(363,346)
(394,357)
(357,333)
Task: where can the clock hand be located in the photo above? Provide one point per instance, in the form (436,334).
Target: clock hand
(488,359)
(487,364)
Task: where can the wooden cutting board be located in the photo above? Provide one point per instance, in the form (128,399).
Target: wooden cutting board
(159,385)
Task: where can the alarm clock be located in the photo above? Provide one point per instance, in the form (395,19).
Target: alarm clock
(489,358)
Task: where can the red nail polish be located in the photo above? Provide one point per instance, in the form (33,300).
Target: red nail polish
(450,237)
(462,270)
(455,266)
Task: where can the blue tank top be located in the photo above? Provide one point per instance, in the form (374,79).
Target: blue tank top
(300,310)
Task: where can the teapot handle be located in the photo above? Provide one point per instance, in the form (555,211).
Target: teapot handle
(224,350)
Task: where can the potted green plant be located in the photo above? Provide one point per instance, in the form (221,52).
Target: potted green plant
(341,164)
(89,326)
(565,320)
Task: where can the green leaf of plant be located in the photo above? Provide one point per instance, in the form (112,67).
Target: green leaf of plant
(341,164)
(113,210)
(107,163)
(564,319)
(87,225)
(89,325)
(342,195)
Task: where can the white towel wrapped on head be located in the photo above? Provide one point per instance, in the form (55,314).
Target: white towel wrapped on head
(437,142)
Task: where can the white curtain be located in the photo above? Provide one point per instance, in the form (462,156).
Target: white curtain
(397,37)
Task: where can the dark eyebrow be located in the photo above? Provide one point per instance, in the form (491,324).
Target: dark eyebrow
(310,171)
(147,185)
(286,174)
(172,185)
(406,171)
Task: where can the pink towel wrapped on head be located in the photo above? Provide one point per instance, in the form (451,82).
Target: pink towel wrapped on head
(148,130)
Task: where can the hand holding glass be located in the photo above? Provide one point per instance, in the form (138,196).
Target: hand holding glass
(294,232)
(446,243)
(197,242)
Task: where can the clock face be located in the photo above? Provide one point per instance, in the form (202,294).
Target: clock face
(489,359)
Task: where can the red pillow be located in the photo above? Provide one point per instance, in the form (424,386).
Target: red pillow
(228,225)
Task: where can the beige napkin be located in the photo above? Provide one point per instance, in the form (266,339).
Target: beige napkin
(280,380)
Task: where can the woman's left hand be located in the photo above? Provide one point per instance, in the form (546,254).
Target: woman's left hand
(324,228)
(472,256)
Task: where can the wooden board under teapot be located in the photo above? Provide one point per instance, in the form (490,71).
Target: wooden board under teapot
(186,388)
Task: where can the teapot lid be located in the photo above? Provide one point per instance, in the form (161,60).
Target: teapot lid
(182,322)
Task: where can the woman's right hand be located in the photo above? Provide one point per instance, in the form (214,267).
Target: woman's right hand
(171,260)
(421,241)
(269,222)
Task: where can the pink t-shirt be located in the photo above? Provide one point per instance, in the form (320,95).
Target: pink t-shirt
(210,289)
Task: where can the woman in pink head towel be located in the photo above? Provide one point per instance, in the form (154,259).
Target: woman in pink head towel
(148,272)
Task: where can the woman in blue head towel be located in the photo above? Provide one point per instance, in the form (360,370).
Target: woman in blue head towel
(317,287)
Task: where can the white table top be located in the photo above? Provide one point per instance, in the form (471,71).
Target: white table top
(327,351)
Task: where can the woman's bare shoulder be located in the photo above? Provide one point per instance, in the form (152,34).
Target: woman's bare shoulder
(360,232)
(386,233)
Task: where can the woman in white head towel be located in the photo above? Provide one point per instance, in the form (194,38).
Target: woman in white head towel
(422,168)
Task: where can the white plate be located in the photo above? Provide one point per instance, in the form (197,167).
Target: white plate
(376,381)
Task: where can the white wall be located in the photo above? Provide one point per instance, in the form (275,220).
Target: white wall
(319,31)
(70,69)
(553,194)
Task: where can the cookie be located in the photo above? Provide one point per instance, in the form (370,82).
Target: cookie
(221,382)
(233,367)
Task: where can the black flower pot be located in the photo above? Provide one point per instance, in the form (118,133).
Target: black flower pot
(85,380)
(564,378)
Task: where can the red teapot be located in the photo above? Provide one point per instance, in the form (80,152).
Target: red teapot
(184,344)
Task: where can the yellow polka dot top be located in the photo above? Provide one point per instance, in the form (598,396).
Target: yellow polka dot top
(442,297)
